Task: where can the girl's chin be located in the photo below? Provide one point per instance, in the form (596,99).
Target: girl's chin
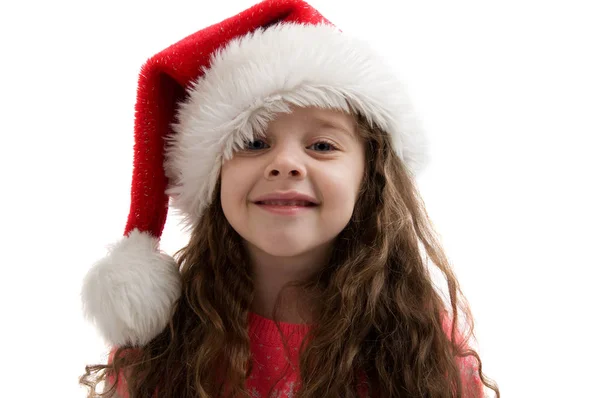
(279,247)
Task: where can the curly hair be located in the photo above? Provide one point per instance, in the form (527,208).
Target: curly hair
(381,317)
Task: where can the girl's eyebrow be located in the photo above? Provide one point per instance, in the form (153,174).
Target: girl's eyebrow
(328,123)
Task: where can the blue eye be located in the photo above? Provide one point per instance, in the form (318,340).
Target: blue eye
(320,146)
(324,146)
(255,145)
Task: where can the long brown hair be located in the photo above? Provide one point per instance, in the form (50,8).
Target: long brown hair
(381,313)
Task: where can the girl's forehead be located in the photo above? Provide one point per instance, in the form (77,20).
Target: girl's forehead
(317,118)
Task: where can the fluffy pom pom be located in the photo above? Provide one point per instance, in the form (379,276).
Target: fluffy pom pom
(130,293)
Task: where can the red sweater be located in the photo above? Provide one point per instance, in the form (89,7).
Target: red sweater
(270,367)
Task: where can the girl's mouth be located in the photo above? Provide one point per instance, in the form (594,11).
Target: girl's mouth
(285,203)
(285,207)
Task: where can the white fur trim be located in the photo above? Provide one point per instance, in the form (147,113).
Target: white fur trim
(130,293)
(258,75)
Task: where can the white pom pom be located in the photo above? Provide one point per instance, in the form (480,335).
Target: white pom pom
(130,293)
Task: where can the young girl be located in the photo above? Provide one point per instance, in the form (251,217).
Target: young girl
(291,151)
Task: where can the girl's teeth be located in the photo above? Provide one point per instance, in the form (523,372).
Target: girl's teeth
(285,203)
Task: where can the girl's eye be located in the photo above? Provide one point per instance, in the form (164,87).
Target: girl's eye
(255,145)
(324,146)
(320,146)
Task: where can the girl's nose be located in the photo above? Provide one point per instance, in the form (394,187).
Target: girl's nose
(285,164)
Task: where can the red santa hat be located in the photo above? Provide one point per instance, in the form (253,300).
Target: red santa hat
(200,99)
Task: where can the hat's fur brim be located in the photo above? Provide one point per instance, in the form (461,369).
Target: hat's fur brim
(260,74)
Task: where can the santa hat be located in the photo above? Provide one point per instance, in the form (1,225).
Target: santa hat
(200,99)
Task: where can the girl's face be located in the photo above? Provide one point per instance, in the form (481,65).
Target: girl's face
(312,152)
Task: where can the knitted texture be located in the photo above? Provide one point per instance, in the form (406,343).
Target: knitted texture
(274,376)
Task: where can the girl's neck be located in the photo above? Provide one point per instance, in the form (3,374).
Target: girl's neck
(292,307)
(271,274)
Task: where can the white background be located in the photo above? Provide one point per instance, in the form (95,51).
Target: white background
(509,93)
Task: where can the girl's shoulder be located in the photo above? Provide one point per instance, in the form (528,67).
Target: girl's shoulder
(121,390)
(468,365)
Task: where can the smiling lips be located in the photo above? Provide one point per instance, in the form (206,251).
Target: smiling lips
(285,207)
(286,203)
(286,198)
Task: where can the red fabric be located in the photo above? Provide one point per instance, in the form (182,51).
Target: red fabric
(162,84)
(270,366)
(271,369)
(122,383)
(472,385)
